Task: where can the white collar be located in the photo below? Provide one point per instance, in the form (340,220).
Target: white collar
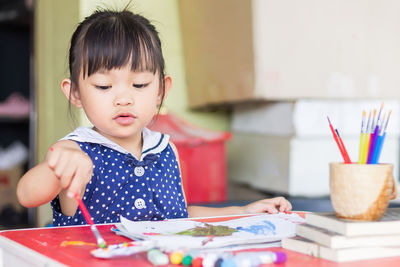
(153,142)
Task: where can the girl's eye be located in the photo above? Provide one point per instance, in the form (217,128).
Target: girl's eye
(103,87)
(140,85)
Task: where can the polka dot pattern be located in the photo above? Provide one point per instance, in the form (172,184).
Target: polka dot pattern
(121,185)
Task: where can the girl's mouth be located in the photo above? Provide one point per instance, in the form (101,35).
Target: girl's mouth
(125,118)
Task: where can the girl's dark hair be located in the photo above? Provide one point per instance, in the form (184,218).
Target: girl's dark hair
(110,39)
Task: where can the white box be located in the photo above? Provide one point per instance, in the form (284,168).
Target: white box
(308,117)
(297,166)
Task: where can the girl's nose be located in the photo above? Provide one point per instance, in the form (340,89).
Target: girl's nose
(123,101)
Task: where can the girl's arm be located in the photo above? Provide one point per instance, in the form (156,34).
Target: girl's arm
(270,205)
(38,186)
(65,171)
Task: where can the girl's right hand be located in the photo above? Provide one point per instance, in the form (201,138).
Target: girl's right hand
(71,166)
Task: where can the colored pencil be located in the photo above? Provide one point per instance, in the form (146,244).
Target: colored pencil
(100,241)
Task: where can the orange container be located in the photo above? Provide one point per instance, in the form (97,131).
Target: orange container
(202,158)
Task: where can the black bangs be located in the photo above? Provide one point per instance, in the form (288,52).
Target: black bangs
(117,40)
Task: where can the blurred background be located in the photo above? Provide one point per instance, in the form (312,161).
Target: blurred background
(253,83)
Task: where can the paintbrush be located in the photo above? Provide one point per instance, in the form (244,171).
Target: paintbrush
(100,241)
(340,144)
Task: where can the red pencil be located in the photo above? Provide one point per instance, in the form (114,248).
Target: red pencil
(340,144)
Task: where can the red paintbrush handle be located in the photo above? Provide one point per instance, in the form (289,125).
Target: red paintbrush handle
(341,147)
(345,154)
(84,210)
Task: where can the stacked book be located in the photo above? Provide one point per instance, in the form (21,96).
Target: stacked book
(325,236)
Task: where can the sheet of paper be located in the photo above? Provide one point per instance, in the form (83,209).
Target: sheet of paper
(188,234)
(158,227)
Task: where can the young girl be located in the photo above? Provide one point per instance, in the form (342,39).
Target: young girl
(118,167)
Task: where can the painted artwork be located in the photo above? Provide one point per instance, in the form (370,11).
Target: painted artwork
(209,230)
(185,233)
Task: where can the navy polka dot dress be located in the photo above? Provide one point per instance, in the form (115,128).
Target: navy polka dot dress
(145,189)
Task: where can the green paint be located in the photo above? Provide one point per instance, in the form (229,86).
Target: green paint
(209,230)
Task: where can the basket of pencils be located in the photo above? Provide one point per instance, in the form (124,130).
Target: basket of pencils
(372,137)
(362,190)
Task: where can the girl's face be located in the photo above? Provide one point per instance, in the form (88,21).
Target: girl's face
(120,102)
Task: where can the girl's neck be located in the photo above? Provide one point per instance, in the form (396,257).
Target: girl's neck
(132,144)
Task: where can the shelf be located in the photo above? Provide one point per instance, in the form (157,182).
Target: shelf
(14,119)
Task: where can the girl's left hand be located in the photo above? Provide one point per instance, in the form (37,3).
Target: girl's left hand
(270,205)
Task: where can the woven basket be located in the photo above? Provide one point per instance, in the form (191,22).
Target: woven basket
(361,191)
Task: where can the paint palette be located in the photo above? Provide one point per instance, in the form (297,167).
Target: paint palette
(123,249)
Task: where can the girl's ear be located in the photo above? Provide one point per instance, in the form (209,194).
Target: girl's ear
(71,95)
(167,86)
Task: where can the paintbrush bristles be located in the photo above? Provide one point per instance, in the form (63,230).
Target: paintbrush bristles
(328,119)
(381,127)
(363,125)
(387,121)
(100,241)
(369,122)
(373,124)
